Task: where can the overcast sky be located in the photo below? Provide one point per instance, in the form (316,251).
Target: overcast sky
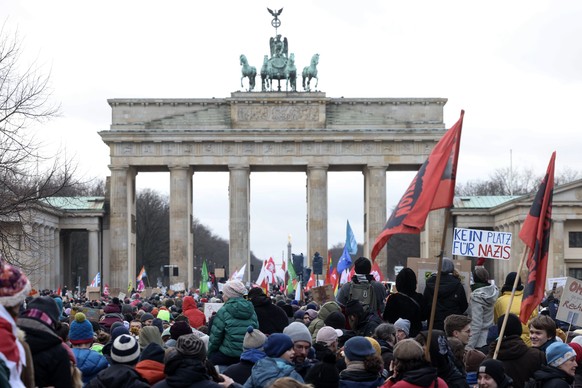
(514,66)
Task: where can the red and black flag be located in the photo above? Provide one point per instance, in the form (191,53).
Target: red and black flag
(432,188)
(535,233)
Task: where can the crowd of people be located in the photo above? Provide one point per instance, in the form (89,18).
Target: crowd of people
(367,337)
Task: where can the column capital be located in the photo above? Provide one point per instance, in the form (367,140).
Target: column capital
(178,167)
(317,167)
(373,167)
(238,167)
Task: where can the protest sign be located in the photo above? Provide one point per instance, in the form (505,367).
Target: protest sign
(93,293)
(92,314)
(322,294)
(571,303)
(482,243)
(424,268)
(210,308)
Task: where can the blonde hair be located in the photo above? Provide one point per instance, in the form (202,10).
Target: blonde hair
(288,382)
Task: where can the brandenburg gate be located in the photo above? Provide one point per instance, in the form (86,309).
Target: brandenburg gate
(258,131)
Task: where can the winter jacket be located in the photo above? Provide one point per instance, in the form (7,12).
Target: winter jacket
(151,370)
(241,371)
(359,379)
(451,298)
(406,306)
(519,360)
(323,313)
(89,362)
(343,296)
(367,325)
(118,376)
(500,308)
(424,377)
(481,313)
(52,366)
(269,369)
(195,316)
(186,373)
(272,318)
(387,352)
(552,377)
(230,325)
(12,351)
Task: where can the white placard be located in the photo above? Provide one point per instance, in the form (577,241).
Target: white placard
(482,243)
(210,308)
(178,287)
(570,308)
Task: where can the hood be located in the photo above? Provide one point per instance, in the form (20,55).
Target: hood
(239,308)
(189,304)
(327,309)
(39,337)
(261,300)
(548,372)
(422,377)
(512,348)
(269,369)
(406,281)
(447,286)
(485,295)
(183,372)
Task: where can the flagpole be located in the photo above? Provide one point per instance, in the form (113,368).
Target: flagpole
(515,282)
(436,285)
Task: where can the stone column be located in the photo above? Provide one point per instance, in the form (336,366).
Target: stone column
(181,238)
(316,212)
(122,224)
(66,252)
(556,265)
(47,253)
(239,219)
(57,259)
(375,211)
(93,250)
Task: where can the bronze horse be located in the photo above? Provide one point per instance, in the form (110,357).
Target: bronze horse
(310,72)
(247,71)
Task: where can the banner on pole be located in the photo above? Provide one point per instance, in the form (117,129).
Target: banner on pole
(482,243)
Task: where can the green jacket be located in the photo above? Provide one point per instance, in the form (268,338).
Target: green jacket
(230,325)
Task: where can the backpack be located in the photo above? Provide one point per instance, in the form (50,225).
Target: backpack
(532,383)
(364,292)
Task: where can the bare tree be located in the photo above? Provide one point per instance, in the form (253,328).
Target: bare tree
(26,177)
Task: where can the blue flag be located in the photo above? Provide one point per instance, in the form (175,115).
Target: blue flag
(351,240)
(345,261)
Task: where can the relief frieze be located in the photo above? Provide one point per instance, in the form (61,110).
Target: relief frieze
(278,113)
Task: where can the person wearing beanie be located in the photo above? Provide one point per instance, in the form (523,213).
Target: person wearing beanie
(89,362)
(402,327)
(324,312)
(147,319)
(124,355)
(196,318)
(14,287)
(325,374)
(491,374)
(363,365)
(52,366)
(406,303)
(253,351)
(451,297)
(277,364)
(411,369)
(309,316)
(560,369)
(230,324)
(151,363)
(519,360)
(178,329)
(362,280)
(272,318)
(483,298)
(301,339)
(336,319)
(500,306)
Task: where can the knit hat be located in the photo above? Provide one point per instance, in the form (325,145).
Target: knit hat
(164,315)
(358,348)
(312,314)
(254,339)
(180,328)
(578,349)
(166,332)
(448,266)
(256,291)
(328,335)
(153,352)
(191,346)
(234,289)
(147,317)
(298,332)
(337,320)
(363,266)
(375,345)
(311,306)
(408,349)
(480,275)
(119,330)
(512,327)
(43,309)
(299,314)
(14,285)
(558,353)
(277,344)
(81,330)
(495,369)
(125,350)
(354,307)
(509,280)
(402,324)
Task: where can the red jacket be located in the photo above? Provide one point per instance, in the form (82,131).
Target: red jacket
(151,370)
(195,316)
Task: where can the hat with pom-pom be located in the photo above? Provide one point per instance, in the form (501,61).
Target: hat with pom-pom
(81,330)
(14,285)
(254,339)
